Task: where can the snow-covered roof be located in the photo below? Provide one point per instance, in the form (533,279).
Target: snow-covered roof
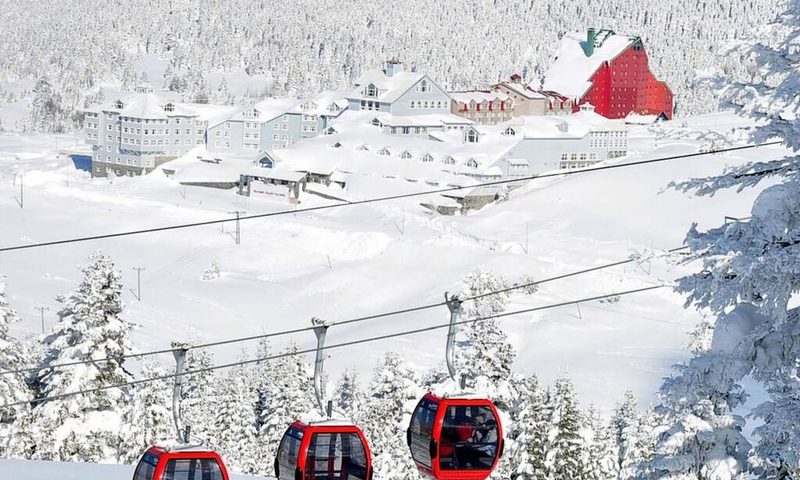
(283,174)
(430,120)
(521,90)
(153,106)
(263,111)
(390,87)
(478,96)
(321,103)
(572,69)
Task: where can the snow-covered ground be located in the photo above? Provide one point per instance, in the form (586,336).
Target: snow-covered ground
(38,470)
(360,260)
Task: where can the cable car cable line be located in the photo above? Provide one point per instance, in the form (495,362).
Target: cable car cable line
(340,323)
(330,347)
(377,199)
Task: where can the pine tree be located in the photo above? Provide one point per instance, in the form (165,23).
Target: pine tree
(289,396)
(565,459)
(394,392)
(46,110)
(631,437)
(198,393)
(85,427)
(149,421)
(485,352)
(598,448)
(13,388)
(348,396)
(235,422)
(699,437)
(527,434)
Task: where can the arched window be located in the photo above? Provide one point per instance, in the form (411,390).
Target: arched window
(471,136)
(266,162)
(509,132)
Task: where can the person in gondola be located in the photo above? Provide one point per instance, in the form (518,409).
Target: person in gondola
(484,441)
(456,433)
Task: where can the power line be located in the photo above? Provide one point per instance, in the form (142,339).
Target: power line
(377,199)
(327,347)
(340,323)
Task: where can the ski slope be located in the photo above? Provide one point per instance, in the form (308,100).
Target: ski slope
(360,260)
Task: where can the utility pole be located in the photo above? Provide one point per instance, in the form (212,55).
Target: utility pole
(139,282)
(42,310)
(238,231)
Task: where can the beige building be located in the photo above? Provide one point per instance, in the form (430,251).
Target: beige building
(482,107)
(528,101)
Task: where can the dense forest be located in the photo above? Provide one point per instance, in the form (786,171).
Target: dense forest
(310,45)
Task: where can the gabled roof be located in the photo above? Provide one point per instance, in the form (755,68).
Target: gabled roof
(572,69)
(151,106)
(389,88)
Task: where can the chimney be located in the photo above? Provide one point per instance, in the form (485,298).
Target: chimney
(590,39)
(393,66)
(516,78)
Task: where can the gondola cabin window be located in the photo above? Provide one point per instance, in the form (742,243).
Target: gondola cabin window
(336,455)
(469,438)
(421,429)
(288,452)
(146,468)
(192,469)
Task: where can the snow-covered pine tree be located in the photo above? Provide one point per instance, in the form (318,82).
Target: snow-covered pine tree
(149,421)
(234,430)
(393,394)
(348,397)
(485,351)
(631,437)
(527,433)
(756,261)
(598,448)
(85,427)
(289,396)
(46,110)
(565,459)
(198,403)
(13,388)
(698,437)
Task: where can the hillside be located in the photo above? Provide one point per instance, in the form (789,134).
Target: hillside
(301,47)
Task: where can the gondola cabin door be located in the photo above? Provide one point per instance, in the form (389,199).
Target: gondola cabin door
(329,450)
(455,438)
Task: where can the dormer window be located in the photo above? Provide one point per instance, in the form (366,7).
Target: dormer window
(333,108)
(250,113)
(329,131)
(266,162)
(472,163)
(384,152)
(362,148)
(406,155)
(471,136)
(448,160)
(509,132)
(119,105)
(376,122)
(168,107)
(423,86)
(371,91)
(336,145)
(427,158)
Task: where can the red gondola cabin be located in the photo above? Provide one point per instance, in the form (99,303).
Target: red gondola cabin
(455,438)
(327,450)
(180,463)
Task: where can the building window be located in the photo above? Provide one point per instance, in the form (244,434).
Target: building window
(169,107)
(423,86)
(471,136)
(371,91)
(227,144)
